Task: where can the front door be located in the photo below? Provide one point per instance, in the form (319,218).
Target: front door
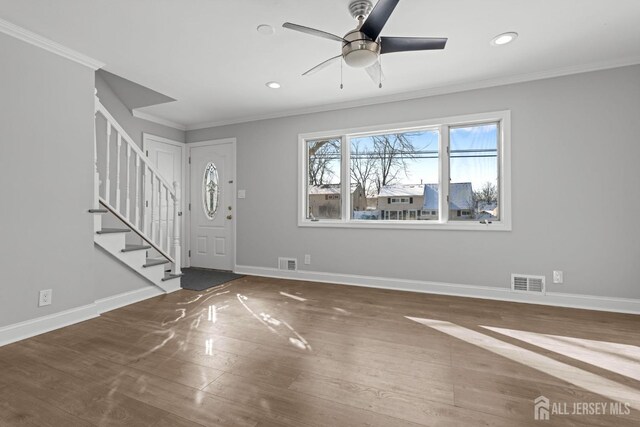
(212,215)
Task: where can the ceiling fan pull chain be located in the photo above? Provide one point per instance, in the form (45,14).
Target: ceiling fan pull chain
(380,73)
(341,85)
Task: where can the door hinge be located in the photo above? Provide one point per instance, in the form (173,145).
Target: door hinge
(147,153)
(447,198)
(189,253)
(189,160)
(447,149)
(146,203)
(189,206)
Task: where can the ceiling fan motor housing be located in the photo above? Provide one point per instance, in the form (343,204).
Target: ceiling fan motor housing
(359,51)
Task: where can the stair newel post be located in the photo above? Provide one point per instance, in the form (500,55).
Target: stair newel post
(96,176)
(118,173)
(177,214)
(107,183)
(128,194)
(138,190)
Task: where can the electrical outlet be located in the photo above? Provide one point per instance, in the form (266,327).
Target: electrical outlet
(45,297)
(558,276)
(307,259)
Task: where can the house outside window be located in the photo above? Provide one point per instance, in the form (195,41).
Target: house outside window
(397,175)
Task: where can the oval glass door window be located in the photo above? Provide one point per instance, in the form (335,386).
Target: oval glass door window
(210,191)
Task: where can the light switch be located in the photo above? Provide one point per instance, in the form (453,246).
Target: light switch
(242,194)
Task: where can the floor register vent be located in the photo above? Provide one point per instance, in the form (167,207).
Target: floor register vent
(290,264)
(527,283)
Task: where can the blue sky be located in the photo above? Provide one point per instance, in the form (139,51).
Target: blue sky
(464,141)
(467,145)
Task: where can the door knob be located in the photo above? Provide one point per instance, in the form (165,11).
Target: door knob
(228,216)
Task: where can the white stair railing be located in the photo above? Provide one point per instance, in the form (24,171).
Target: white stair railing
(155,218)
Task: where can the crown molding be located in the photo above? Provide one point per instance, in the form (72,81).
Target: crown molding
(34,39)
(158,120)
(424,93)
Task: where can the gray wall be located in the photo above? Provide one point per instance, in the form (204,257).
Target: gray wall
(575,163)
(46,181)
(134,126)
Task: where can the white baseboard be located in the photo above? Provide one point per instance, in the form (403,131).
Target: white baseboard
(111,303)
(589,302)
(40,325)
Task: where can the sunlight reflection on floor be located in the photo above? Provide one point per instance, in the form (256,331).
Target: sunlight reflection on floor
(275,325)
(295,297)
(619,358)
(579,377)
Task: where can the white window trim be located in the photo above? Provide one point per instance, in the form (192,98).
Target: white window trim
(443,124)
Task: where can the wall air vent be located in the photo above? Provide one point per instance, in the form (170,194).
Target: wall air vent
(527,283)
(290,264)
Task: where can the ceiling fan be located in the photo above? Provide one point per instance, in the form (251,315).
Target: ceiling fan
(362,47)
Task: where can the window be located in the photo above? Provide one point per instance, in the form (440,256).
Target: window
(452,173)
(324,183)
(473,165)
(397,200)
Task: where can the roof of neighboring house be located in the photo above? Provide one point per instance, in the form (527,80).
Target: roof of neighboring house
(487,207)
(460,196)
(402,190)
(329,188)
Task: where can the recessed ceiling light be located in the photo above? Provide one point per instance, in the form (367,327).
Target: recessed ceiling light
(266,29)
(504,38)
(273,85)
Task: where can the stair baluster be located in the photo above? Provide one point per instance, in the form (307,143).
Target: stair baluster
(167,243)
(119,144)
(177,250)
(159,235)
(137,209)
(96,177)
(107,184)
(152,208)
(150,221)
(128,189)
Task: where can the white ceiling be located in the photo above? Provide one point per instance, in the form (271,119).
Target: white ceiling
(208,55)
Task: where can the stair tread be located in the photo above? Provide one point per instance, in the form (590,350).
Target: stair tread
(113,230)
(98,211)
(171,276)
(131,248)
(152,262)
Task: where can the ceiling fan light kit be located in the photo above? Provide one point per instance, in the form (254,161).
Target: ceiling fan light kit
(362,47)
(359,51)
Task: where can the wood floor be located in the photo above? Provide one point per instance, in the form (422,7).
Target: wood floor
(268,352)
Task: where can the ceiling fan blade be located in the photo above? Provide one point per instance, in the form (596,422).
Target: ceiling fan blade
(312,31)
(405,44)
(322,65)
(378,17)
(375,72)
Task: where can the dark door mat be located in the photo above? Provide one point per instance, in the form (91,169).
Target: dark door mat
(199,279)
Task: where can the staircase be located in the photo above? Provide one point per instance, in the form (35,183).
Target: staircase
(131,192)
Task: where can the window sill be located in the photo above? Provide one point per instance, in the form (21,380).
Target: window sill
(407,225)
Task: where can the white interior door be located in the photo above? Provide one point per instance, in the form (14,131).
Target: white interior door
(166,156)
(212,208)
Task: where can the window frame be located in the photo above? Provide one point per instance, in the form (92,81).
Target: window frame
(503,118)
